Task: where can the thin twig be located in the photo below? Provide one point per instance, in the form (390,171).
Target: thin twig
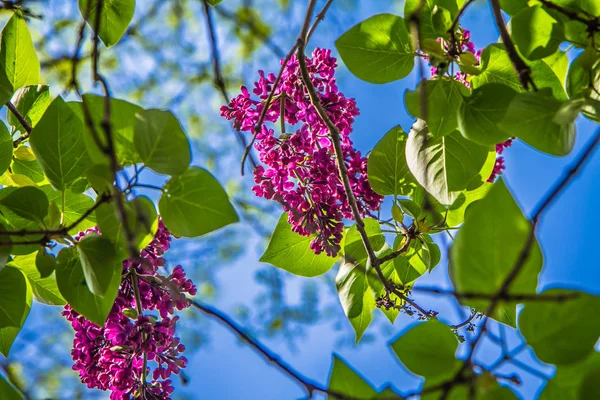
(218,79)
(309,385)
(516,297)
(62,231)
(522,69)
(22,121)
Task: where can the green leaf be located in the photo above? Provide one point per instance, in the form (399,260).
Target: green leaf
(7,391)
(194,203)
(444,97)
(378,49)
(19,62)
(161,142)
(568,381)
(214,2)
(590,7)
(13,295)
(115,16)
(559,63)
(569,341)
(45,289)
(6,148)
(441,19)
(422,255)
(497,67)
(583,79)
(479,265)
(122,122)
(410,207)
(390,273)
(432,358)
(72,286)
(31,101)
(590,385)
(291,252)
(75,206)
(29,169)
(100,178)
(480,114)
(512,7)
(14,222)
(354,250)
(426,28)
(356,298)
(456,213)
(443,165)
(531,118)
(28,202)
(142,220)
(24,153)
(536,33)
(352,282)
(98,257)
(344,380)
(397,213)
(15,292)
(387,169)
(44,263)
(57,141)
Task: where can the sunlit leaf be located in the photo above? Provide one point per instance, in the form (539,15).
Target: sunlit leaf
(291,252)
(378,49)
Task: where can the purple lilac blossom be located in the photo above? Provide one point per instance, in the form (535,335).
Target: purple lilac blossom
(299,169)
(111,357)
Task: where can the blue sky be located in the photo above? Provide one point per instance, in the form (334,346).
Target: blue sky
(227,369)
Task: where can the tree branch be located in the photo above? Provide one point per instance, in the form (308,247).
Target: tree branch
(523,71)
(309,385)
(22,121)
(218,80)
(516,297)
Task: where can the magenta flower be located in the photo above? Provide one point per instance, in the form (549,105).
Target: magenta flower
(111,357)
(299,169)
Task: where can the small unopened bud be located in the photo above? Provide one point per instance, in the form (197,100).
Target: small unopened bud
(130,313)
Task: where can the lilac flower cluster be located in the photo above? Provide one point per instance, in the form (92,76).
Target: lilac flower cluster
(465,44)
(299,169)
(499,166)
(118,355)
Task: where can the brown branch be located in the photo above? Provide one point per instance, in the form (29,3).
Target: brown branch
(592,24)
(22,121)
(218,80)
(466,321)
(320,17)
(16,5)
(454,50)
(522,69)
(516,297)
(62,231)
(309,385)
(341,164)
